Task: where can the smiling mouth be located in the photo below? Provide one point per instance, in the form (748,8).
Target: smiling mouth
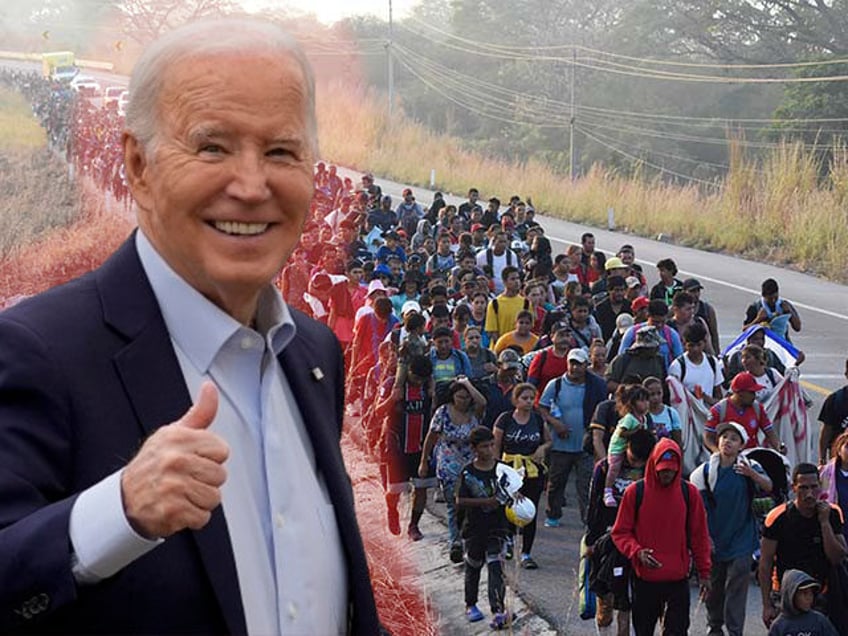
(234,228)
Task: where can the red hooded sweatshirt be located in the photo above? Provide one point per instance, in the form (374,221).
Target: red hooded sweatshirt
(661,524)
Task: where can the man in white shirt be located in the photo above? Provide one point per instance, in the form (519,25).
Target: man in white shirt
(701,373)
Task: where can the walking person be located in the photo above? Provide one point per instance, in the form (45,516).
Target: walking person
(448,439)
(661,520)
(522,440)
(484,527)
(727,482)
(567,405)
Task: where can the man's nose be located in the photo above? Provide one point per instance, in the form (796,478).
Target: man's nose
(249,181)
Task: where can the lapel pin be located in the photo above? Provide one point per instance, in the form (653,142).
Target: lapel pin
(317,374)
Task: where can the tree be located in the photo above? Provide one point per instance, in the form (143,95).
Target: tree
(146,20)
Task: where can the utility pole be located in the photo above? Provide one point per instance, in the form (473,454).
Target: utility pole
(571,166)
(391,80)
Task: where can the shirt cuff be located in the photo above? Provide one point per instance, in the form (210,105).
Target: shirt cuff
(102,539)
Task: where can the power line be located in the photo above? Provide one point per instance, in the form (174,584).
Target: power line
(506,48)
(617,68)
(633,157)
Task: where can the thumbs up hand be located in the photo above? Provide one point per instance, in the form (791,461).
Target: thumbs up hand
(174,481)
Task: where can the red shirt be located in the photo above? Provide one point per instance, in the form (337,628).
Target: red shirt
(753,419)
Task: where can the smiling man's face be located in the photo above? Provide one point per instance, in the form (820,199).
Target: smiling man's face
(225,188)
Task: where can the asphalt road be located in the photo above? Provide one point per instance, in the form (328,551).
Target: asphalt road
(730,285)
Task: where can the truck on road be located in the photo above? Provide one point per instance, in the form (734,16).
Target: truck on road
(59,65)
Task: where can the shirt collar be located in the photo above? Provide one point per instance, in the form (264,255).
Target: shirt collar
(198,326)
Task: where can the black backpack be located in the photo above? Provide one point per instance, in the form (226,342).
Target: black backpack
(609,568)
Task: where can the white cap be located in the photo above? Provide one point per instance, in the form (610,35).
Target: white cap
(410,305)
(376,285)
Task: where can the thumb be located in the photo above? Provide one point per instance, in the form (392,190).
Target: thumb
(203,411)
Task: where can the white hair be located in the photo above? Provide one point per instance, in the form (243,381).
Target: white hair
(207,38)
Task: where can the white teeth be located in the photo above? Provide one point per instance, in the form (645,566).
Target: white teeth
(240,229)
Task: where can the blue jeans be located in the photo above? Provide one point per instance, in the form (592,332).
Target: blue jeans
(449,490)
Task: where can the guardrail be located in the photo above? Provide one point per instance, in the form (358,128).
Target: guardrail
(36,57)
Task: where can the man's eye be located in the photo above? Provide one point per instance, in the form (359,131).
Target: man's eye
(280,152)
(211,148)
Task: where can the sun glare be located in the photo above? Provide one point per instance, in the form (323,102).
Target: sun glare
(329,11)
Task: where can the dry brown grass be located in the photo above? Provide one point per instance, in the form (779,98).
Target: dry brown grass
(776,210)
(36,195)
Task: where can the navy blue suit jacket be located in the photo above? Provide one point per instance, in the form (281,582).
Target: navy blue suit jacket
(87,372)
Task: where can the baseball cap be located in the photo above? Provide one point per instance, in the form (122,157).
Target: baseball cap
(733,426)
(744,381)
(668,460)
(375,286)
(510,359)
(578,355)
(691,284)
(407,192)
(614,263)
(560,326)
(477,226)
(632,281)
(640,303)
(410,305)
(623,322)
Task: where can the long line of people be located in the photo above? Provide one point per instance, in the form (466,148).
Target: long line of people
(459,318)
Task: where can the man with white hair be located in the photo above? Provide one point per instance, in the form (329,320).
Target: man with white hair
(125,508)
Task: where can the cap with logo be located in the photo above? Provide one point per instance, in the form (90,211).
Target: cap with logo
(669,460)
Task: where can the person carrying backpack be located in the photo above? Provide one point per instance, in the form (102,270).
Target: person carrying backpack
(727,482)
(661,519)
(742,407)
(700,372)
(611,586)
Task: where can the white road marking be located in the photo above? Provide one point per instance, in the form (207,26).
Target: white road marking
(725,283)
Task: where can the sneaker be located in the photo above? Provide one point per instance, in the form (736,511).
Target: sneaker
(528,563)
(609,498)
(456,552)
(394,520)
(414,533)
(500,621)
(473,614)
(552,523)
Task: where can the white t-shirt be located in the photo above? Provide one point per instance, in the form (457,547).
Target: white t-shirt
(701,374)
(764,380)
(498,264)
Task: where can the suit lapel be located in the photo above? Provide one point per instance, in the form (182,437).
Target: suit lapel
(155,387)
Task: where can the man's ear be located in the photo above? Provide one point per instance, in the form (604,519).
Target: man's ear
(136,166)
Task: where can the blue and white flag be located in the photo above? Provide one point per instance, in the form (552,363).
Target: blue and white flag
(783,349)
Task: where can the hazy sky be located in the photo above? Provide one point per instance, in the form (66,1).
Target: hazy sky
(331,10)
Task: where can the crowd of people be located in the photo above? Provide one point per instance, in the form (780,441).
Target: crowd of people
(468,340)
(469,343)
(85,135)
